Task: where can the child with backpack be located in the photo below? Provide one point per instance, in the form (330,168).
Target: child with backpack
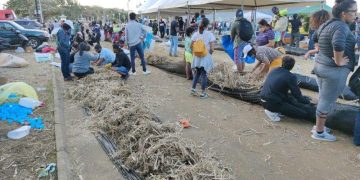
(202,47)
(188,52)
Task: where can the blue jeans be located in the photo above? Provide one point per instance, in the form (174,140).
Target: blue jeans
(174,45)
(139,49)
(311,40)
(200,74)
(65,63)
(123,71)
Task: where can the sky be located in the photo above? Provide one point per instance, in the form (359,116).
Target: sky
(122,4)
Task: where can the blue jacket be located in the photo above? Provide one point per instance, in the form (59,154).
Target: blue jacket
(63,40)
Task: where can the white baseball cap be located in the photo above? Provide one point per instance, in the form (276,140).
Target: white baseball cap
(70,23)
(247,49)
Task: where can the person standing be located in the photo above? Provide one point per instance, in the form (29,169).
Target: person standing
(181,27)
(155,28)
(334,62)
(134,36)
(280,24)
(174,37)
(316,20)
(63,46)
(162,27)
(295,30)
(202,65)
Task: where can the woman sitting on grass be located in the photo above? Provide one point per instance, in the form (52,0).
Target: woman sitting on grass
(81,66)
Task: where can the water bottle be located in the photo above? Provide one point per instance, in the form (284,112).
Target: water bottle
(357,130)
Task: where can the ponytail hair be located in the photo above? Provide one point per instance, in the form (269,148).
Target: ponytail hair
(204,23)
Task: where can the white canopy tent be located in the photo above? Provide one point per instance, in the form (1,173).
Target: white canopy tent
(178,5)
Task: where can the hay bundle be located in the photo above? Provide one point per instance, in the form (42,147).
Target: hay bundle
(153,59)
(224,76)
(149,148)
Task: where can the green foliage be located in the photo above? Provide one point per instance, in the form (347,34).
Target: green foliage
(52,9)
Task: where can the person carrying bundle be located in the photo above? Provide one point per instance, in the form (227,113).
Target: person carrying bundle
(241,33)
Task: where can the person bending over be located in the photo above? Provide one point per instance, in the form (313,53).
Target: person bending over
(275,94)
(81,66)
(106,56)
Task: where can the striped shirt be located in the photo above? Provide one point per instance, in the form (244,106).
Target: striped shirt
(266,54)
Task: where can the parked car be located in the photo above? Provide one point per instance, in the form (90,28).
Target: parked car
(7,14)
(10,30)
(29,24)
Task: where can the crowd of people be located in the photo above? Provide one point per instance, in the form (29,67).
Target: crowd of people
(334,49)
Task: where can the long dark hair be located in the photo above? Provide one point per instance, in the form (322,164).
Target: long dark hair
(341,6)
(204,23)
(83,47)
(263,22)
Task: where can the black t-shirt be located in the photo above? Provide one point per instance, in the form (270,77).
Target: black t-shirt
(122,60)
(162,25)
(295,25)
(181,24)
(173,26)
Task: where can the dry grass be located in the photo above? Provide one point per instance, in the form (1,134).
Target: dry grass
(224,76)
(150,148)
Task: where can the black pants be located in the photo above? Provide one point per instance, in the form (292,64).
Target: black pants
(81,75)
(162,33)
(292,109)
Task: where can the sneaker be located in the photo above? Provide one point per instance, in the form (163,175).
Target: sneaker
(274,117)
(325,136)
(133,73)
(204,96)
(147,72)
(193,92)
(326,129)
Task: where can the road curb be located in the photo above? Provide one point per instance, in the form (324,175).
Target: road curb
(62,155)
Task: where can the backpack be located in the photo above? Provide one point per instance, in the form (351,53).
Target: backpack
(244,29)
(199,48)
(354,82)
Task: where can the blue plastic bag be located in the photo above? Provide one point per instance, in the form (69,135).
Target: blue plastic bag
(147,41)
(228,46)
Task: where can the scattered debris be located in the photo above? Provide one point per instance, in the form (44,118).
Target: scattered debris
(50,168)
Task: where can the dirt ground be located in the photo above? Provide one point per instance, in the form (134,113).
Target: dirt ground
(21,159)
(238,132)
(243,137)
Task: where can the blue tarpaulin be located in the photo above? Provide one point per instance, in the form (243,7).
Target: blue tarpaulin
(13,112)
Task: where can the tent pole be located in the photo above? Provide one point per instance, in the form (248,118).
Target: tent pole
(188,11)
(214,21)
(158,19)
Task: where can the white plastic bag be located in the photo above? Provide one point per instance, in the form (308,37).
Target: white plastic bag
(29,102)
(8,60)
(168,43)
(102,37)
(19,50)
(19,132)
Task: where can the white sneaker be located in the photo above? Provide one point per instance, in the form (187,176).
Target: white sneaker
(274,117)
(132,73)
(326,129)
(325,136)
(147,72)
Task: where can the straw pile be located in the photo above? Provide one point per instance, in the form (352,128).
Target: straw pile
(151,149)
(153,59)
(224,76)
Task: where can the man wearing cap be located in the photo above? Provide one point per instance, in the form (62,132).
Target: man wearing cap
(275,98)
(106,56)
(267,59)
(280,24)
(63,46)
(239,44)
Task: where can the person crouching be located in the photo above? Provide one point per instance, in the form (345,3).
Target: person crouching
(275,98)
(122,63)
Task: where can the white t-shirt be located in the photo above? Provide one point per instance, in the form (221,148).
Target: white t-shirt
(205,62)
(206,36)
